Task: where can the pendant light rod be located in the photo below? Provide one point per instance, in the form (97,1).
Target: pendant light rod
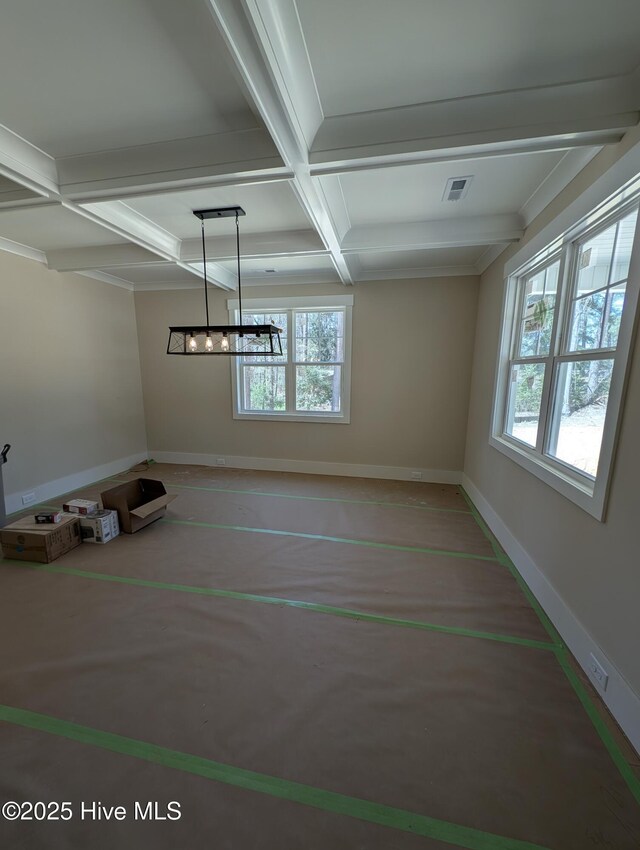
(239,279)
(204,261)
(220,212)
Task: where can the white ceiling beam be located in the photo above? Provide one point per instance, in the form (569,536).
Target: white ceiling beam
(136,225)
(109,278)
(165,165)
(442,233)
(26,200)
(569,166)
(416,273)
(571,114)
(463,153)
(21,250)
(27,165)
(487,257)
(276,25)
(217,275)
(246,178)
(100,257)
(124,255)
(274,66)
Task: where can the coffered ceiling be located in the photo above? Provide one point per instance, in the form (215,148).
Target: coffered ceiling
(335,125)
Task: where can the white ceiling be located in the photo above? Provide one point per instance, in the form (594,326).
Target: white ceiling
(86,75)
(268,207)
(334,125)
(500,184)
(372,54)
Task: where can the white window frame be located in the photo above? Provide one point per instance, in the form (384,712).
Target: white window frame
(590,213)
(275,305)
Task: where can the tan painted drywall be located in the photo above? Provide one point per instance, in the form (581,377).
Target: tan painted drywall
(412,344)
(70,393)
(593,566)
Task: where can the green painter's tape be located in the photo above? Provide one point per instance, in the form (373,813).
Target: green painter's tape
(354,542)
(601,727)
(309,498)
(506,561)
(296,792)
(561,654)
(347,613)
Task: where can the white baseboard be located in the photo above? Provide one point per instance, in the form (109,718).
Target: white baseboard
(316,467)
(51,489)
(620,699)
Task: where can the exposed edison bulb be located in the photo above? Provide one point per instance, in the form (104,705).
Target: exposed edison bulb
(208,343)
(224,343)
(193,343)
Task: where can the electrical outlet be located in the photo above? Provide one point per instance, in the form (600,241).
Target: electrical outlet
(598,673)
(221,461)
(28,498)
(416,475)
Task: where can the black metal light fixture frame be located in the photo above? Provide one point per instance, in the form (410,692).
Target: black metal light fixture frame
(227,340)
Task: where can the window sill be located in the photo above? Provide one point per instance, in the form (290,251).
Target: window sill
(583,493)
(336,418)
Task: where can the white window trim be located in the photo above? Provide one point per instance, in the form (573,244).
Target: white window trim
(315,302)
(609,192)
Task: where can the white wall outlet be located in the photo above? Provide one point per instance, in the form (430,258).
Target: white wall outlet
(416,475)
(220,461)
(597,673)
(28,498)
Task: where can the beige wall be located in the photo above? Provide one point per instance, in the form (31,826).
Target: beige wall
(593,566)
(70,393)
(412,345)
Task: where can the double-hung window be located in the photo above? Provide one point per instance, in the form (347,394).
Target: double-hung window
(310,381)
(567,330)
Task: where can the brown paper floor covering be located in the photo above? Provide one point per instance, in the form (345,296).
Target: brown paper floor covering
(469,731)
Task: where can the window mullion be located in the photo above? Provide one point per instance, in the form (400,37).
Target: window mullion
(290,367)
(555,342)
(587,354)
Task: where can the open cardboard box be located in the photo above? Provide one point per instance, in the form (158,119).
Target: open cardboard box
(138,502)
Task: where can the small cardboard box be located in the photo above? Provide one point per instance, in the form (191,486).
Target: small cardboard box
(26,540)
(80,506)
(138,502)
(48,517)
(99,527)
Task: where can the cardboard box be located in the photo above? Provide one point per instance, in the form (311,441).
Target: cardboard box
(80,506)
(26,540)
(47,517)
(138,502)
(99,527)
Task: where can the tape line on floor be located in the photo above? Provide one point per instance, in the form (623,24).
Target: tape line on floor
(307,795)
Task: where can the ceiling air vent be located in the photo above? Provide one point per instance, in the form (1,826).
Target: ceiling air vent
(456,188)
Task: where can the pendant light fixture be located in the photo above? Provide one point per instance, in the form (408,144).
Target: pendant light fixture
(231,340)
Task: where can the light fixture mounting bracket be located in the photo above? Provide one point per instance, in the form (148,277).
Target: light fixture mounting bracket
(219,212)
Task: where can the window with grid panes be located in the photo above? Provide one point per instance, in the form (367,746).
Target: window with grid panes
(563,317)
(309,381)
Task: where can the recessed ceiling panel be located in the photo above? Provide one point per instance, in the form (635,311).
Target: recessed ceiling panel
(52,227)
(500,185)
(375,55)
(89,75)
(273,266)
(268,207)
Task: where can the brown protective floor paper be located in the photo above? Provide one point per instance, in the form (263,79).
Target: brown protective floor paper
(484,734)
(214,816)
